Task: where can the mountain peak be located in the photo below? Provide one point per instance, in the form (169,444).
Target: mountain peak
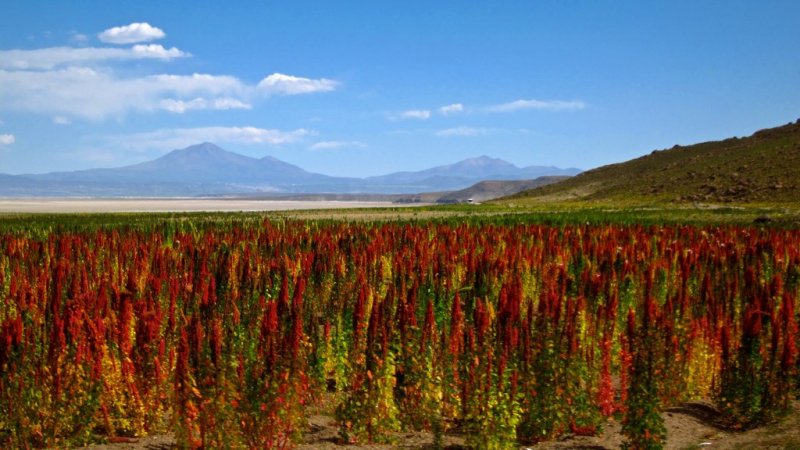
(206,144)
(202,148)
(206,153)
(483,160)
(209,163)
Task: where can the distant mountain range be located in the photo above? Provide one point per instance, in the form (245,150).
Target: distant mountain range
(206,169)
(465,173)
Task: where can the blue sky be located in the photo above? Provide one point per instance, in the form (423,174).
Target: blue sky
(363,88)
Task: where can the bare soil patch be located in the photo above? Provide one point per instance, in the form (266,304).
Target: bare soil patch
(693,425)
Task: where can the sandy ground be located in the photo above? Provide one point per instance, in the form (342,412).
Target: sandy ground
(691,426)
(42,205)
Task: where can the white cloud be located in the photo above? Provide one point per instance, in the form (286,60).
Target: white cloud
(91,94)
(168,139)
(547,105)
(332,145)
(462,131)
(157,51)
(71,82)
(197,82)
(229,103)
(451,109)
(61,120)
(281,84)
(425,114)
(7,139)
(131,34)
(416,114)
(180,106)
(52,57)
(97,94)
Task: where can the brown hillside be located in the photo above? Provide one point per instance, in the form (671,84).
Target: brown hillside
(761,168)
(491,189)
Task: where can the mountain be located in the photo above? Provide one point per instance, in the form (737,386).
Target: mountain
(469,168)
(203,169)
(9,180)
(764,167)
(465,173)
(210,163)
(202,164)
(206,169)
(15,186)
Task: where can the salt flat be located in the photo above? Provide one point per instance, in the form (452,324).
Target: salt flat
(69,205)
